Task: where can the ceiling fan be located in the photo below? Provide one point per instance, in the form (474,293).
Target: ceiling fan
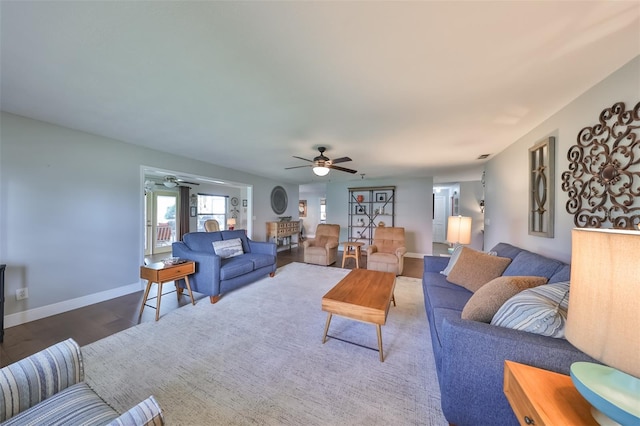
(172,181)
(321,164)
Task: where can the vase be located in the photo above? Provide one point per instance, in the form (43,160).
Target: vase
(360,198)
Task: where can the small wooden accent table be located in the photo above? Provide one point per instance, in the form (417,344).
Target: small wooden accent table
(540,397)
(362,295)
(160,274)
(351,251)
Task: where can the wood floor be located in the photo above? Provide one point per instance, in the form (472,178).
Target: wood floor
(94,322)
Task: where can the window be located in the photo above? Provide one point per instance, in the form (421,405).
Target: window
(211,207)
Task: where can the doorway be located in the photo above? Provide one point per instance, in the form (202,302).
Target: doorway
(161,208)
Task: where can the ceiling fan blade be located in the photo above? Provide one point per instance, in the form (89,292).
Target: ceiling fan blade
(297,167)
(342,169)
(341,160)
(304,159)
(187,183)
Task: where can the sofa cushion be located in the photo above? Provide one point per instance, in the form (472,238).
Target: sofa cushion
(201,241)
(541,310)
(77,404)
(506,250)
(228,248)
(237,233)
(562,274)
(474,269)
(235,266)
(532,264)
(260,260)
(485,302)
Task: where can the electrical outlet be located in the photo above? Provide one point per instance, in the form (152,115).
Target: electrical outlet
(22,293)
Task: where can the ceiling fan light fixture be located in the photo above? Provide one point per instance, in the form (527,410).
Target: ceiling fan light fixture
(170,182)
(320,171)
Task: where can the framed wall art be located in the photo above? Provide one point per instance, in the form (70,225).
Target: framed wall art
(541,187)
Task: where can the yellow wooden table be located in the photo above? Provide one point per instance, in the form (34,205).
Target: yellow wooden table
(351,250)
(160,273)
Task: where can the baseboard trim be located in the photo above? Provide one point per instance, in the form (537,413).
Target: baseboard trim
(68,305)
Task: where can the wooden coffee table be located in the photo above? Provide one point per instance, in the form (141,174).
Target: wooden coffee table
(362,295)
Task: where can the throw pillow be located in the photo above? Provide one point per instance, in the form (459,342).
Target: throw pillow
(485,302)
(454,258)
(452,261)
(541,310)
(228,248)
(475,268)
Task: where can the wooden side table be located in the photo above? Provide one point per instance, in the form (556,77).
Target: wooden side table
(540,397)
(351,250)
(160,273)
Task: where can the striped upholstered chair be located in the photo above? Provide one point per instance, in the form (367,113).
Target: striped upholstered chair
(48,388)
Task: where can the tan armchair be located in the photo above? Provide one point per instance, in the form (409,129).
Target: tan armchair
(211,225)
(323,249)
(387,252)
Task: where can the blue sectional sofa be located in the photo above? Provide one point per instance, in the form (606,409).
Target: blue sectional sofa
(470,355)
(215,275)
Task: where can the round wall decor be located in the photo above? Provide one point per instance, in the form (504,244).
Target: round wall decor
(279,200)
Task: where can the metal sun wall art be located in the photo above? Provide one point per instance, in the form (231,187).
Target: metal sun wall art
(541,188)
(603,180)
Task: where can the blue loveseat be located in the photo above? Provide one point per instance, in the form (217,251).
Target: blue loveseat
(214,275)
(470,355)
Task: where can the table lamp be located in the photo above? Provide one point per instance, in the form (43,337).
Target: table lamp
(458,230)
(231,223)
(603,321)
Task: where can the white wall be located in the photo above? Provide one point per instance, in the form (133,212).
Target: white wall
(71,214)
(470,196)
(507,173)
(413,209)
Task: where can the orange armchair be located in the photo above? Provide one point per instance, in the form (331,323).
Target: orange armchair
(387,252)
(323,249)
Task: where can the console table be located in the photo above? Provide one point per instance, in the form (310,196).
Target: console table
(2,267)
(282,231)
(540,397)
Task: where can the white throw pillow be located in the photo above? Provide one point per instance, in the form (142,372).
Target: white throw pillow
(228,248)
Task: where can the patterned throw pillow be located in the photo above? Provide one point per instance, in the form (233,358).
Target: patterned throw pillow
(475,268)
(490,297)
(228,248)
(541,310)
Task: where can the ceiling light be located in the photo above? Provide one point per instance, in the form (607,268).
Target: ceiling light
(321,171)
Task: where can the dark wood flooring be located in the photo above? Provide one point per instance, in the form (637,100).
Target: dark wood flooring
(94,322)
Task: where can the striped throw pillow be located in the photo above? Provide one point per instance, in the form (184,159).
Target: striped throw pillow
(540,310)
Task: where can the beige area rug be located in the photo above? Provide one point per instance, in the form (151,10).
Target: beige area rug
(257,358)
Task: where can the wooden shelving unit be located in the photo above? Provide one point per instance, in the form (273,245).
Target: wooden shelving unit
(368,206)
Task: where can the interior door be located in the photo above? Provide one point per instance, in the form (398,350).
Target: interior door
(439,218)
(161,208)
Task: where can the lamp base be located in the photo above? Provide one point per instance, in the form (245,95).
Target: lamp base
(613,395)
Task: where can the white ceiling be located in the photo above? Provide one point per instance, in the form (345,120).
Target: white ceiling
(403,88)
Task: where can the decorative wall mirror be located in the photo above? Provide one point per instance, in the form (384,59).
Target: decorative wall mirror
(541,188)
(603,180)
(279,200)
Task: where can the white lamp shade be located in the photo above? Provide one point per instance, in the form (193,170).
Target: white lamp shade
(321,171)
(231,222)
(603,319)
(459,230)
